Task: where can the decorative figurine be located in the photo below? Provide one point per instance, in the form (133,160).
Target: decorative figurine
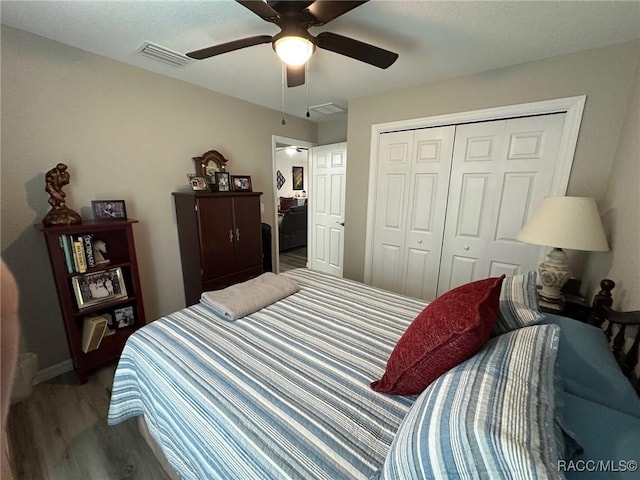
(99,250)
(59,214)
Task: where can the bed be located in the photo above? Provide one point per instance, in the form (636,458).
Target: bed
(285,392)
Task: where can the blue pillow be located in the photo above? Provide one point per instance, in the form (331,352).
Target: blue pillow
(492,416)
(518,303)
(589,369)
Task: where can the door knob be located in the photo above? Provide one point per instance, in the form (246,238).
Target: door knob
(420,241)
(340,223)
(466,247)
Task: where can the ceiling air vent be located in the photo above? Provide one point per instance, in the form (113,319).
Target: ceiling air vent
(163,54)
(328,109)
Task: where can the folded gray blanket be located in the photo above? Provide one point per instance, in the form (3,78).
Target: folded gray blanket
(244,298)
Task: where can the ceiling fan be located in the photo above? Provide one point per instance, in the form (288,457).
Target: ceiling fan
(294,44)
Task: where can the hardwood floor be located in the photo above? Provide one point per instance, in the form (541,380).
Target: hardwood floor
(291,259)
(60,433)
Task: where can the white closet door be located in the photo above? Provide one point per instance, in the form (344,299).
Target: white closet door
(501,170)
(413,176)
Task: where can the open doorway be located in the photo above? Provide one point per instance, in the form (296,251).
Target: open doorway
(291,159)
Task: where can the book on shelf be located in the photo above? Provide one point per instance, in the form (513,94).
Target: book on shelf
(78,248)
(87,242)
(93,329)
(68,254)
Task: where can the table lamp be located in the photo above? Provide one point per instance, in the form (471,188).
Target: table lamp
(563,222)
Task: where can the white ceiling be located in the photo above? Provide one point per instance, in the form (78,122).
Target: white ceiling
(435,40)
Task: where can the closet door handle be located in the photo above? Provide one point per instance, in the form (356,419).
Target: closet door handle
(340,223)
(237,234)
(230,236)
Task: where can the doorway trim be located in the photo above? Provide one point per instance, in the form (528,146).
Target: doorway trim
(276,139)
(572,106)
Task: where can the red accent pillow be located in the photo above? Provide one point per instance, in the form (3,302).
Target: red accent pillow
(285,204)
(448,331)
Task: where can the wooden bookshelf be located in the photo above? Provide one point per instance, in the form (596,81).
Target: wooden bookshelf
(78,295)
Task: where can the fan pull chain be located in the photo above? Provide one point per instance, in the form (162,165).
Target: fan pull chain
(284,73)
(308,78)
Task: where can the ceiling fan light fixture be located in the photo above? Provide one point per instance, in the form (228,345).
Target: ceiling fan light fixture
(294,50)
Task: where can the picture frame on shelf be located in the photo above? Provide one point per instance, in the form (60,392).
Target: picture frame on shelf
(223,181)
(111,323)
(241,183)
(124,317)
(109,209)
(99,287)
(298,178)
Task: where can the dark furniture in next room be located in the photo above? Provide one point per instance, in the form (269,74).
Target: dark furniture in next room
(293,228)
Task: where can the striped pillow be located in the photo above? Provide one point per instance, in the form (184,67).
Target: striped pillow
(518,303)
(490,417)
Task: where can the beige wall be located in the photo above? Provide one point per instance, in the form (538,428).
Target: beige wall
(125,133)
(605,75)
(332,132)
(620,210)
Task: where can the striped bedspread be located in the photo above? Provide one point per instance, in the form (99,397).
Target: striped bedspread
(282,393)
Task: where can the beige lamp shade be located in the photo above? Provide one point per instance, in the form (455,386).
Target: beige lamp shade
(566,222)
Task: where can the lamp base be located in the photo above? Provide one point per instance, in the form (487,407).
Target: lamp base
(554,273)
(552,306)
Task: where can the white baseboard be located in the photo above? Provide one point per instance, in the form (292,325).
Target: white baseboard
(53,371)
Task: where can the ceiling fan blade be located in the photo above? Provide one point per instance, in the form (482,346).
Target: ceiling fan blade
(229,47)
(376,56)
(295,75)
(326,10)
(260,8)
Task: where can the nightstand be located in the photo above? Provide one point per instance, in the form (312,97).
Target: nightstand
(574,306)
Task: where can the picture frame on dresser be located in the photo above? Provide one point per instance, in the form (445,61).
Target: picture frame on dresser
(198,183)
(241,183)
(223,181)
(95,288)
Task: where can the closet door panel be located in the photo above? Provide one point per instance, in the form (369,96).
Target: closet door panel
(473,184)
(430,170)
(392,196)
(501,170)
(419,264)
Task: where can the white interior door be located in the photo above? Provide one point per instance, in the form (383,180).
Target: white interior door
(501,170)
(413,178)
(326,203)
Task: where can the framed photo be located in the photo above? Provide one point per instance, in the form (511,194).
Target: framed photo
(94,288)
(298,178)
(198,183)
(124,317)
(111,323)
(109,209)
(223,181)
(241,183)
